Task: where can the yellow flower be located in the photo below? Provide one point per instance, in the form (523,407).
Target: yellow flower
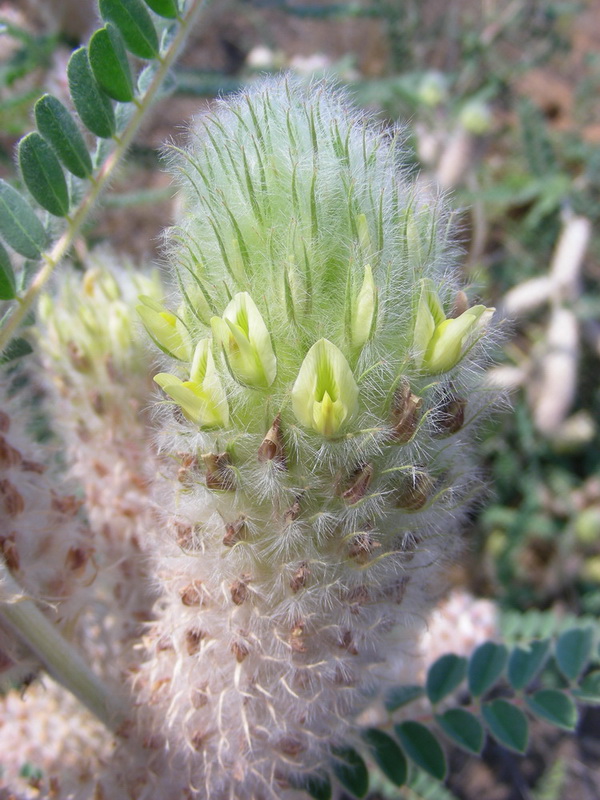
(325,394)
(246,342)
(440,343)
(202,399)
(165,329)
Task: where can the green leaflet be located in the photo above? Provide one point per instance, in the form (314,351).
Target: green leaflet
(555,706)
(8,287)
(19,225)
(526,661)
(486,666)
(422,747)
(387,754)
(350,770)
(463,728)
(109,63)
(60,130)
(92,105)
(400,696)
(135,24)
(573,650)
(16,348)
(444,676)
(164,8)
(507,723)
(589,689)
(316,785)
(43,174)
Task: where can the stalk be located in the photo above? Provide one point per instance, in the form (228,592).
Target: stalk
(62,661)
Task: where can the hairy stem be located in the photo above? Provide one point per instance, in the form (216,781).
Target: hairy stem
(59,657)
(55,255)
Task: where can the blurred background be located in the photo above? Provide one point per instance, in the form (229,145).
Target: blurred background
(500,104)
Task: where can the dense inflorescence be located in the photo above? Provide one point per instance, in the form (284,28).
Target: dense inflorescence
(321,385)
(45,543)
(96,371)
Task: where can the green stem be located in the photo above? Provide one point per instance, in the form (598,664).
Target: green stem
(61,247)
(62,661)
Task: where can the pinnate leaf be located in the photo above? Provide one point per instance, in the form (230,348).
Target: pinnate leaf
(351,771)
(8,286)
(388,756)
(135,24)
(525,662)
(43,174)
(573,650)
(486,666)
(93,106)
(59,128)
(444,676)
(555,706)
(422,747)
(463,728)
(109,63)
(507,723)
(20,227)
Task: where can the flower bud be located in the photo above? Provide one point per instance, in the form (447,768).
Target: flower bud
(450,339)
(165,329)
(246,342)
(325,394)
(364,310)
(202,399)
(440,343)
